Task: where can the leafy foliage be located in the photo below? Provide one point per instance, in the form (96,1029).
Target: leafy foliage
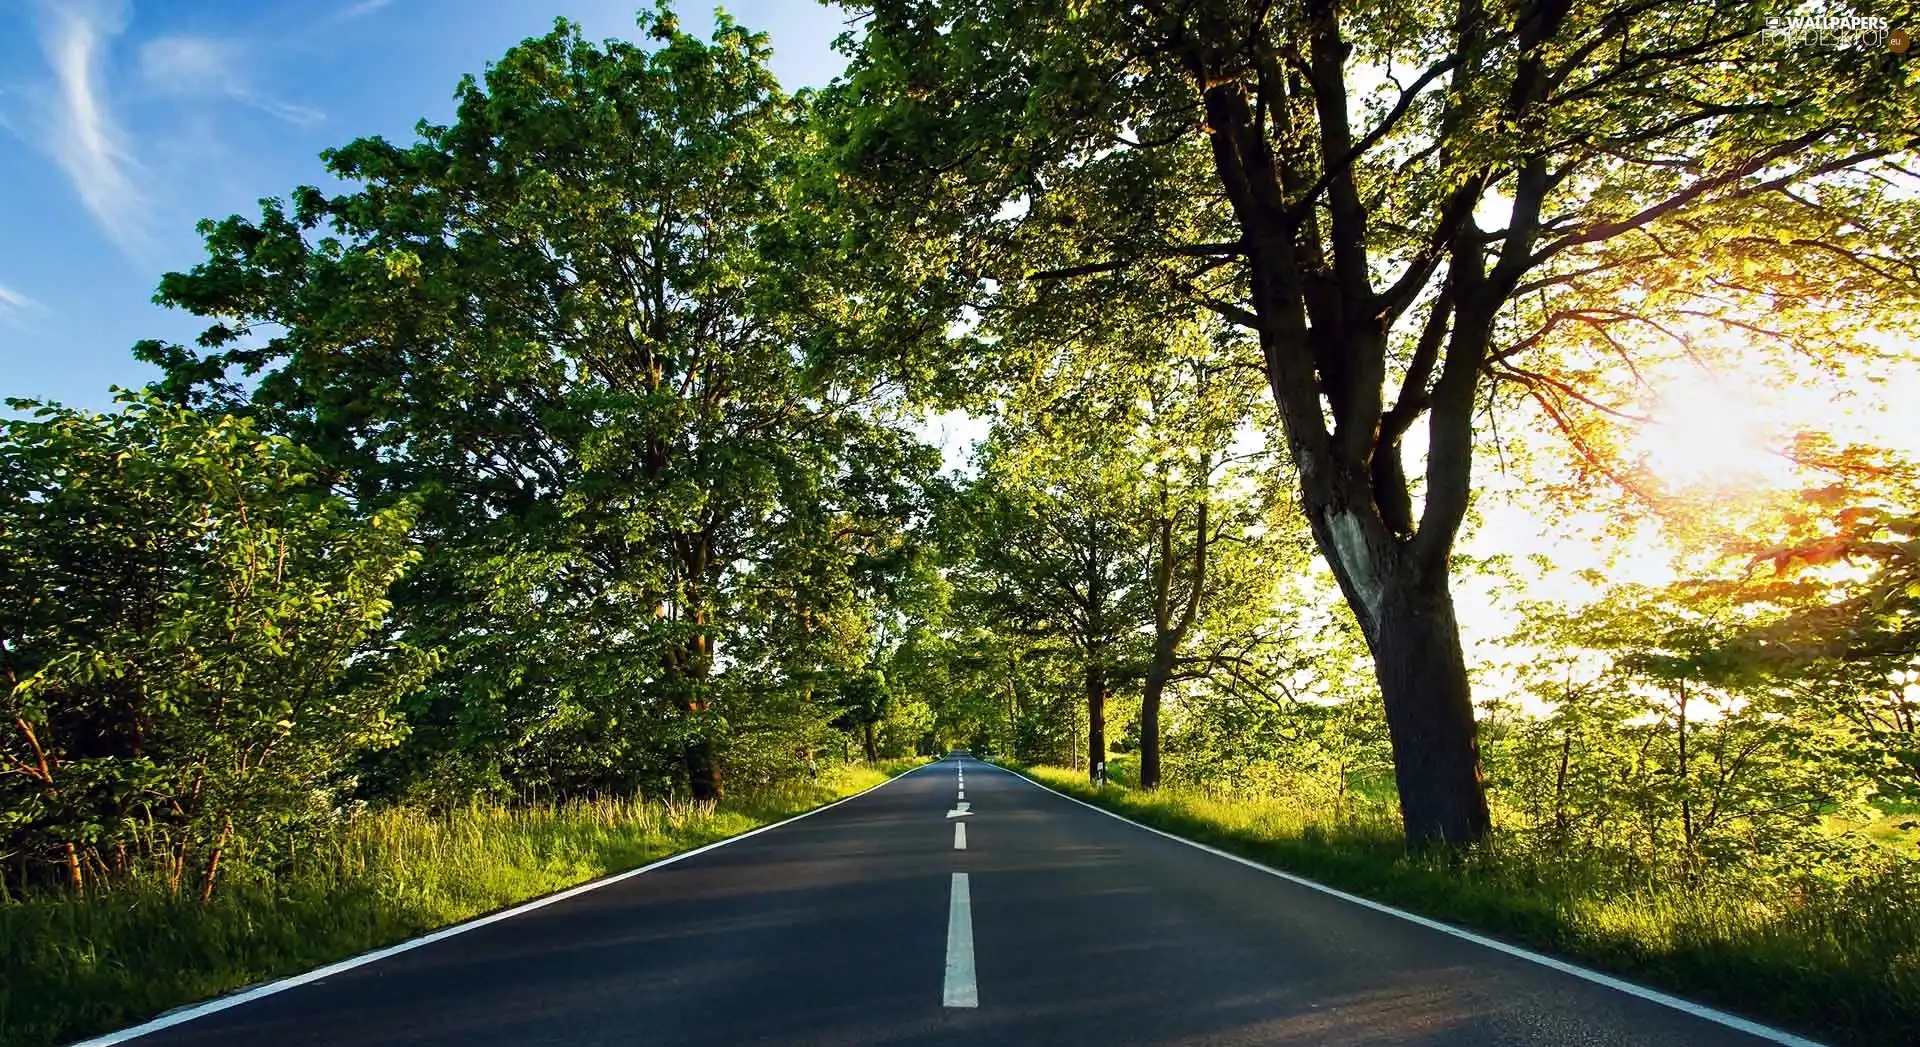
(565,452)
(195,640)
(653,510)
(1405,206)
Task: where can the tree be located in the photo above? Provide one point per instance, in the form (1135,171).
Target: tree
(194,638)
(1664,740)
(1213,523)
(1152,392)
(1416,199)
(1837,628)
(1053,558)
(578,321)
(867,701)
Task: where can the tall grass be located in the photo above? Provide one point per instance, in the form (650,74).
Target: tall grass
(1837,956)
(70,967)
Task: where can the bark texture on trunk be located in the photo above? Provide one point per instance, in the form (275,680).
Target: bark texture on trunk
(1159,672)
(1096,719)
(1173,613)
(872,744)
(1429,705)
(704,778)
(686,667)
(1324,332)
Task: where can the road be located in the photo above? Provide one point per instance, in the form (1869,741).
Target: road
(865,923)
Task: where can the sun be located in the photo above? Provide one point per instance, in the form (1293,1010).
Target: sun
(1714,432)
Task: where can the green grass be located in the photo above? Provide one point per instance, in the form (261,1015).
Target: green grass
(74,967)
(1898,830)
(1839,959)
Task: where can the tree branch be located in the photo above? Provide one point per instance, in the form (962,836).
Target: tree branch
(1166,251)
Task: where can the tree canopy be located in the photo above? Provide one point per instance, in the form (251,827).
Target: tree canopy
(1408,208)
(579,445)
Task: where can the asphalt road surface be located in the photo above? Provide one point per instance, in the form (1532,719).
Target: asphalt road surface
(898,917)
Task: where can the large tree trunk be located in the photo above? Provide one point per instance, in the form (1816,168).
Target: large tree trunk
(1429,704)
(704,777)
(1159,671)
(703,771)
(1169,631)
(1324,331)
(1096,719)
(873,747)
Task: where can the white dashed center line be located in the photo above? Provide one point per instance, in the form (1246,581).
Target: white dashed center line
(961,989)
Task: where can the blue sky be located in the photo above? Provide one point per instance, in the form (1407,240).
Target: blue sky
(123,123)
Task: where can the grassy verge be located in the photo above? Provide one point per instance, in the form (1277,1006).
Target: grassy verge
(74,967)
(1841,962)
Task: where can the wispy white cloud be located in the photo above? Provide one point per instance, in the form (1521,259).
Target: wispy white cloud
(203,67)
(83,134)
(186,64)
(11,300)
(364,7)
(13,304)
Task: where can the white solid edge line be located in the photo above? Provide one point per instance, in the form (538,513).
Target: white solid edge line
(180,1017)
(960,990)
(1731,1021)
(959,836)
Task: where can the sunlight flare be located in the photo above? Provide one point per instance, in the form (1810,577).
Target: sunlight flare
(1713,432)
